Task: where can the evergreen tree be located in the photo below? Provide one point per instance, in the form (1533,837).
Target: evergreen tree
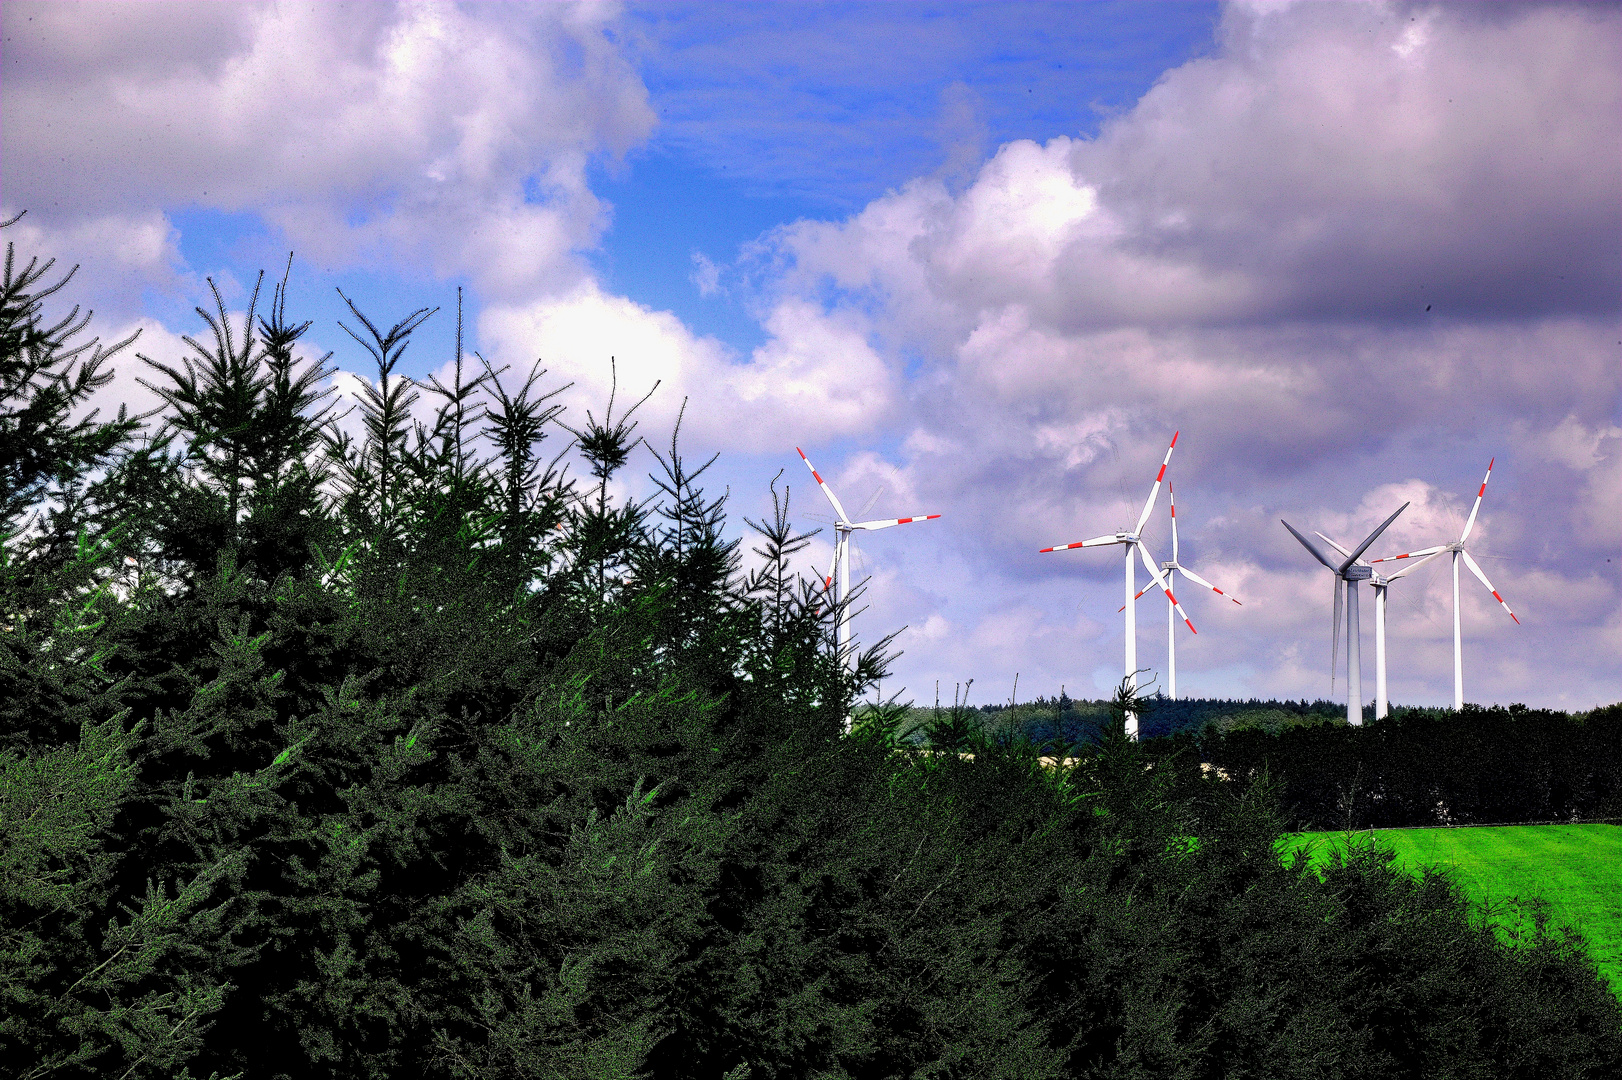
(374,771)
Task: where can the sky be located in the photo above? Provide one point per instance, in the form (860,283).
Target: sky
(980,260)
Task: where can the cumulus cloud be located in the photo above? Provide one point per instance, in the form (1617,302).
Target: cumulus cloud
(454,137)
(1352,255)
(1328,162)
(815,378)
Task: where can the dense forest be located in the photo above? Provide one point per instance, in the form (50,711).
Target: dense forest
(413,752)
(1417,767)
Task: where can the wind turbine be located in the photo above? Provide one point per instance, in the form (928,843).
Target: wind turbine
(839,577)
(1133,542)
(1171,569)
(1347,575)
(1457,548)
(1380,583)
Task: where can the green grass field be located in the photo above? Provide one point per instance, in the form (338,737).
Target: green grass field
(1576,868)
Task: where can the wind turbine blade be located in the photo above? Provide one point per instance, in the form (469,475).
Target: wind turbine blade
(1192,576)
(1159,578)
(823,484)
(1468,525)
(1342,548)
(1310,546)
(1476,570)
(1154,492)
(1136,598)
(1373,536)
(1411,567)
(871,499)
(1171,494)
(1097,541)
(1414,554)
(885,523)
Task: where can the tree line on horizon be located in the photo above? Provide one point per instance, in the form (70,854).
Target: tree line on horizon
(1416,767)
(407,753)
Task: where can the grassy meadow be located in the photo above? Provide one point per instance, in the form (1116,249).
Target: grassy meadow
(1576,869)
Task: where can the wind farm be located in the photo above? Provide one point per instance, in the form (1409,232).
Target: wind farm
(1348,567)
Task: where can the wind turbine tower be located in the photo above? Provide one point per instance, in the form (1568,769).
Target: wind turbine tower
(1134,545)
(1458,550)
(1347,574)
(1171,569)
(1381,583)
(843,528)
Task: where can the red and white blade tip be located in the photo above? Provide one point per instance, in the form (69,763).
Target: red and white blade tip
(1409,554)
(808,464)
(1167,459)
(1180,611)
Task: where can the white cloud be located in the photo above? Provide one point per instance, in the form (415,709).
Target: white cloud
(1247,255)
(459,137)
(116,255)
(706,276)
(816,378)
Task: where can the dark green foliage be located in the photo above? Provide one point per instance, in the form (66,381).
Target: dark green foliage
(1436,767)
(385,759)
(1063,721)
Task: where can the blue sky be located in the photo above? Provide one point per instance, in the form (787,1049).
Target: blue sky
(977,259)
(772,113)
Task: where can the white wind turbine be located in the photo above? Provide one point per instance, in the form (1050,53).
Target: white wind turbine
(1133,542)
(1171,569)
(1380,583)
(839,577)
(1347,575)
(1457,548)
